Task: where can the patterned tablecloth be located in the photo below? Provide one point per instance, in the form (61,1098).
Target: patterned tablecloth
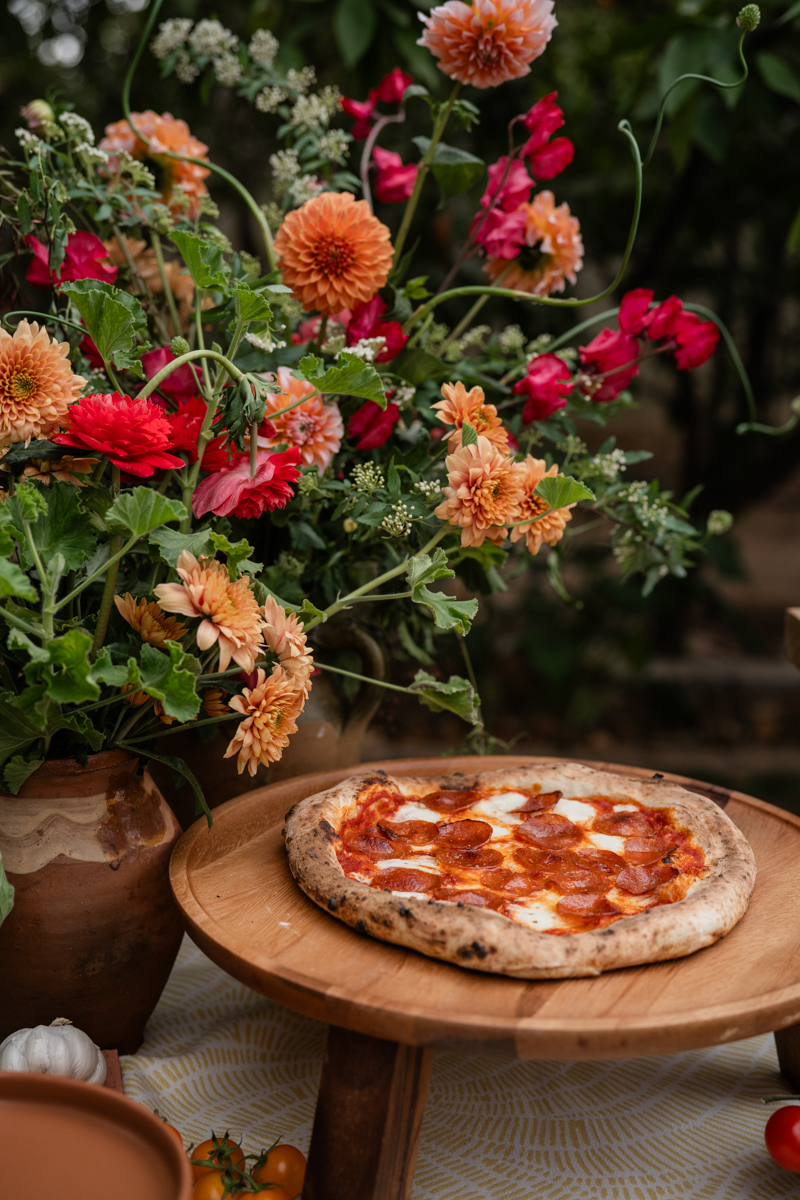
(683,1127)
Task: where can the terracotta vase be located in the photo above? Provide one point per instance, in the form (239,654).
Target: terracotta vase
(94,930)
(330,731)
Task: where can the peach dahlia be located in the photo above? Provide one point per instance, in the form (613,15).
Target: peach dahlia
(460,406)
(165,136)
(550,526)
(488,42)
(314,427)
(37,384)
(269,709)
(482,492)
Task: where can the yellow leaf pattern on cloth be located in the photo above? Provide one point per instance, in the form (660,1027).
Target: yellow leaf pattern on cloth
(680,1127)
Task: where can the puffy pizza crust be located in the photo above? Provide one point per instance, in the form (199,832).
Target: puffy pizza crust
(486,941)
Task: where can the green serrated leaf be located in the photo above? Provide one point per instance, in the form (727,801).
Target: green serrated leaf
(454,170)
(469,435)
(236,554)
(562,490)
(78,723)
(6,894)
(457,695)
(423,569)
(143,509)
(170,678)
(416,365)
(21,724)
(447,613)
(61,529)
(17,771)
(204,260)
(171,544)
(104,670)
(351,377)
(65,669)
(251,306)
(14,582)
(307,610)
(112,318)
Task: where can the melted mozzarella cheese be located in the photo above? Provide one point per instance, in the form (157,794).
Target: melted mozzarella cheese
(606,841)
(536,914)
(413,895)
(414,812)
(625,808)
(501,806)
(575,810)
(415,864)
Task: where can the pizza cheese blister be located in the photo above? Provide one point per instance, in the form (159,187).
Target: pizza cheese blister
(539,872)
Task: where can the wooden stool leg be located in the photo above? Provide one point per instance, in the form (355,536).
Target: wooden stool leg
(368,1119)
(787,1043)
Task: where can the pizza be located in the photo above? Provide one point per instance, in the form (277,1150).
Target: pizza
(539,872)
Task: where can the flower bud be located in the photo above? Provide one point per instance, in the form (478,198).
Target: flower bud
(749,18)
(37,114)
(179,346)
(349,525)
(719,522)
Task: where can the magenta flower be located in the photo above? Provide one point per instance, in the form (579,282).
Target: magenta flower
(395,182)
(548,386)
(232,492)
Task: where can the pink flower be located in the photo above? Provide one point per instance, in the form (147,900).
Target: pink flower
(548,385)
(501,234)
(394,182)
(231,491)
(614,354)
(489,42)
(185,426)
(85,257)
(515,190)
(634,311)
(133,434)
(182,384)
(366,322)
(372,425)
(314,427)
(664,318)
(697,341)
(391,88)
(547,159)
(361,111)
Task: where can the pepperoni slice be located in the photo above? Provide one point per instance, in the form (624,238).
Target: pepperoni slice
(585,904)
(466,835)
(539,801)
(576,880)
(472,896)
(600,860)
(642,850)
(406,879)
(535,860)
(373,845)
(624,824)
(450,801)
(549,831)
(525,884)
(639,880)
(455,857)
(416,833)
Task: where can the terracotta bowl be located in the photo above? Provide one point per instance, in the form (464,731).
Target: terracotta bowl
(84,1142)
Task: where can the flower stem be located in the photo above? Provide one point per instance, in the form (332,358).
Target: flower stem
(424,167)
(158,379)
(165,283)
(114,546)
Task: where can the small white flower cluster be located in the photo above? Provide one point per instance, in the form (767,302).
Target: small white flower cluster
(404,395)
(136,171)
(269,99)
(30,143)
(77,126)
(367,349)
(301,81)
(228,70)
(335,345)
(306,188)
(511,340)
(210,37)
(313,111)
(398,522)
(366,477)
(429,488)
(475,337)
(335,146)
(609,466)
(171,36)
(285,166)
(263,48)
(647,511)
(264,342)
(90,155)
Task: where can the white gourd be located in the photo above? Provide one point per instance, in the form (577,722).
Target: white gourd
(56,1049)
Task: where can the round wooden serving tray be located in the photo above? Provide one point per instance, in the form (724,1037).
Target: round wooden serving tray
(243,908)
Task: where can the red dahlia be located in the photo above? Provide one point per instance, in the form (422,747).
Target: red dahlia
(232,492)
(133,434)
(185,425)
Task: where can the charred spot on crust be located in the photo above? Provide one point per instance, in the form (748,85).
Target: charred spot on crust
(360,926)
(332,905)
(465,952)
(480,949)
(404,912)
(327,830)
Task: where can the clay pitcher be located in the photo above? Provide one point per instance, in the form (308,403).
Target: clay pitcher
(94,930)
(330,731)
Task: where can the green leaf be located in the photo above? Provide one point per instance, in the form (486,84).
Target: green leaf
(236,554)
(454,170)
(24,213)
(308,610)
(778,76)
(793,237)
(447,613)
(457,696)
(204,260)
(177,764)
(144,509)
(14,582)
(351,377)
(561,490)
(415,366)
(170,678)
(469,436)
(104,670)
(250,306)
(112,319)
(28,502)
(171,544)
(62,529)
(65,670)
(354,24)
(79,723)
(6,894)
(17,771)
(20,723)
(423,569)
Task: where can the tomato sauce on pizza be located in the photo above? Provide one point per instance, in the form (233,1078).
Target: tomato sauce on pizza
(553,863)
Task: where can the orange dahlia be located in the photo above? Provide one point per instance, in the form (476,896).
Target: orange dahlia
(228,610)
(460,405)
(334,253)
(482,494)
(314,427)
(553,254)
(548,528)
(164,133)
(284,636)
(37,383)
(150,621)
(65,470)
(270,709)
(490,41)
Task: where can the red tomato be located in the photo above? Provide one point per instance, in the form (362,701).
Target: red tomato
(782,1136)
(286,1166)
(210,1187)
(226,1153)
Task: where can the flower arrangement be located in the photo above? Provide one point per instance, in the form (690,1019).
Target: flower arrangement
(205,456)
